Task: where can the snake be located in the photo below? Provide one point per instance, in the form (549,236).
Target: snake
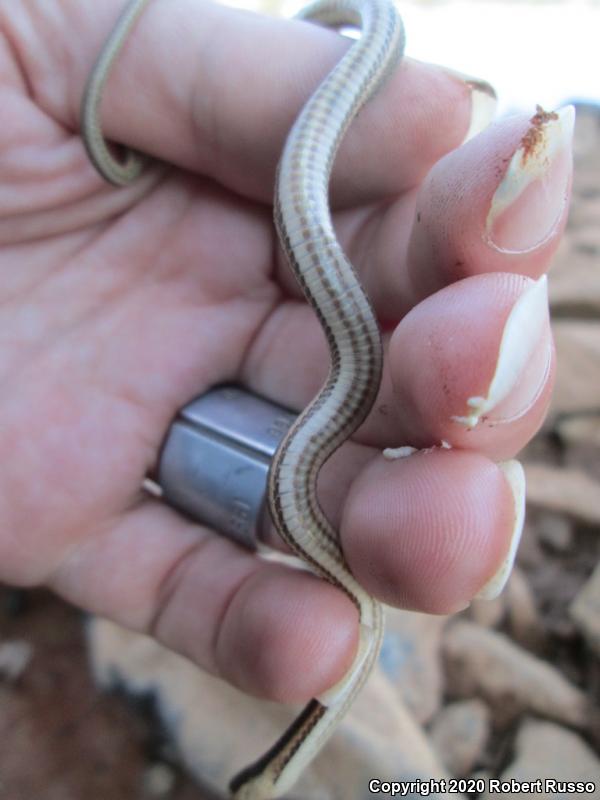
(332,288)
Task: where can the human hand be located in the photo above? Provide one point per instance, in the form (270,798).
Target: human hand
(118,306)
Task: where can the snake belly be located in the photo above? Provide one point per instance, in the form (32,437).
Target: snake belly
(330,285)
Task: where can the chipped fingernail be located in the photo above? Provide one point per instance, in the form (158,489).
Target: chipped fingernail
(393,453)
(515,476)
(483,102)
(522,364)
(528,204)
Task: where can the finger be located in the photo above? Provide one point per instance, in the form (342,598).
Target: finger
(430,531)
(500,203)
(426,532)
(192,87)
(270,630)
(497,204)
(472,365)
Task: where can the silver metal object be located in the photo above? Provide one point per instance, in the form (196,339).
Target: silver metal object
(215,460)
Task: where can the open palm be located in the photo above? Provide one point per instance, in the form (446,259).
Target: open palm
(118,306)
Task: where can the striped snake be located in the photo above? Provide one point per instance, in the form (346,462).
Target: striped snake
(329,282)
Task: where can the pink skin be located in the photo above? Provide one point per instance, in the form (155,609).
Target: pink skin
(117,307)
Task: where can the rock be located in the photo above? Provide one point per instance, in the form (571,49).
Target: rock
(159,780)
(580,429)
(488,613)
(14,659)
(218,730)
(578,353)
(411,660)
(555,531)
(549,753)
(486,663)
(555,585)
(530,555)
(568,491)
(585,610)
(574,281)
(524,622)
(585,142)
(460,733)
(481,775)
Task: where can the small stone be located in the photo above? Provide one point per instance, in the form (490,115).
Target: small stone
(486,663)
(482,775)
(549,754)
(578,353)
(488,613)
(585,610)
(411,660)
(568,491)
(14,659)
(524,622)
(574,280)
(460,733)
(555,531)
(580,429)
(530,555)
(159,780)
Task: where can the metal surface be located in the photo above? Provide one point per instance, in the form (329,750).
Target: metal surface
(215,460)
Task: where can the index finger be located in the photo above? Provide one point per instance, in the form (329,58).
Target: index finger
(215,90)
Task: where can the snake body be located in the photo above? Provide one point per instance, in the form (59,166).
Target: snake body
(330,285)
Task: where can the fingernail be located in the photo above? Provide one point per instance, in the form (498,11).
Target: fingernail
(394,453)
(483,102)
(522,364)
(461,605)
(514,474)
(528,204)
